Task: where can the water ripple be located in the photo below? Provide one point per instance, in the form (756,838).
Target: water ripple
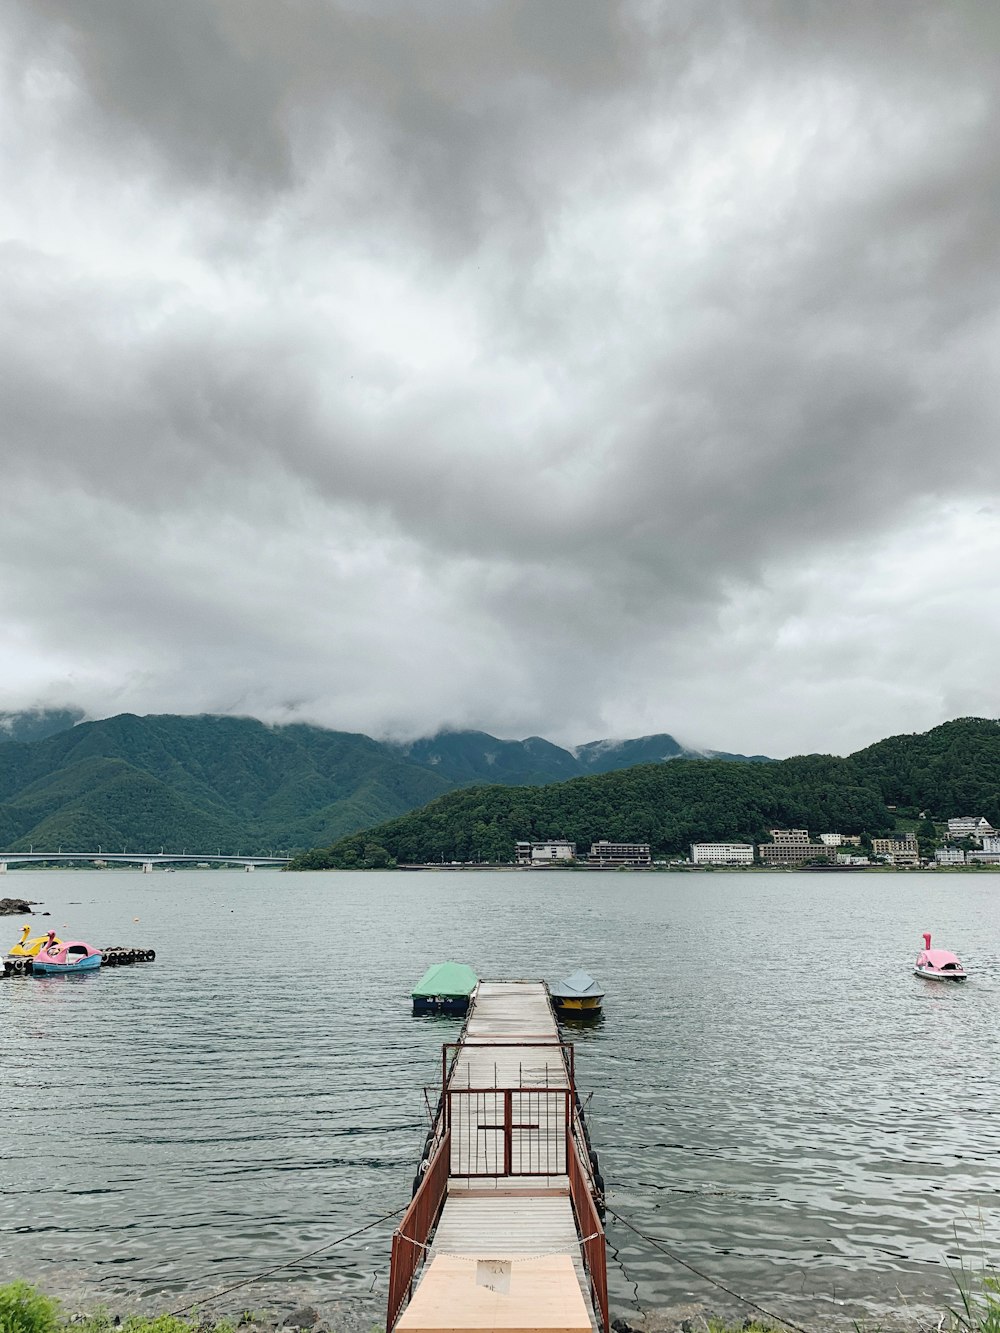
(774,1095)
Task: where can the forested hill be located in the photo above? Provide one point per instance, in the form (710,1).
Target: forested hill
(952,769)
(237,784)
(667,805)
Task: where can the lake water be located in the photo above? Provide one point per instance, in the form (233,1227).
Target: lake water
(775,1095)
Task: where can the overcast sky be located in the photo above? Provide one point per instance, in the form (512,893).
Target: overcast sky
(544,366)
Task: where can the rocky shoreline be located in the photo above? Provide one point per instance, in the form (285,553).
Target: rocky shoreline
(16,907)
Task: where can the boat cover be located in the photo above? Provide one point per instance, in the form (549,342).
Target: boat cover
(446,979)
(576,985)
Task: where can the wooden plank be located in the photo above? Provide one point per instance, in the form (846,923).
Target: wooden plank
(541,1295)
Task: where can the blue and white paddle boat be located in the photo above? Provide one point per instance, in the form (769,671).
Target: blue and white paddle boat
(55,957)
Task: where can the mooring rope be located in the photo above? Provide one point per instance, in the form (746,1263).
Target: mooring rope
(328,1245)
(659,1245)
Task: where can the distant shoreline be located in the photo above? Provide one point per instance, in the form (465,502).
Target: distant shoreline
(446,867)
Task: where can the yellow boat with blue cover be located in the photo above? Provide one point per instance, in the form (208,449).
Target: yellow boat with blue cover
(578,996)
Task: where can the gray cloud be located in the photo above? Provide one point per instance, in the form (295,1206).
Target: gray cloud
(488,364)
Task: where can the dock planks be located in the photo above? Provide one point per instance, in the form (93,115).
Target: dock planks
(522,1208)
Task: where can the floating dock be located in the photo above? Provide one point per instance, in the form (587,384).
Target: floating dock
(116,955)
(504,1231)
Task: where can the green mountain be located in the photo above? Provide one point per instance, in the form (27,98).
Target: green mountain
(668,805)
(237,784)
(953,769)
(609,756)
(240,785)
(950,770)
(36,723)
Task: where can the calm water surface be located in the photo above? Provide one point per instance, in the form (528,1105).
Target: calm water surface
(775,1095)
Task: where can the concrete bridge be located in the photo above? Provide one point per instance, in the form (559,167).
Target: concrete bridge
(147,860)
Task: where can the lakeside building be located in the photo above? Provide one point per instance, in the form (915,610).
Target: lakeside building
(847,859)
(949,856)
(543,853)
(970,826)
(722,853)
(899,849)
(793,847)
(604,853)
(991,843)
(831,839)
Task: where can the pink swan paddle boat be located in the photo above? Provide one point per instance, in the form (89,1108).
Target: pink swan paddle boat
(70,956)
(938,964)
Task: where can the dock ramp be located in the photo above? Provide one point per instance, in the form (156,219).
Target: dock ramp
(504,1230)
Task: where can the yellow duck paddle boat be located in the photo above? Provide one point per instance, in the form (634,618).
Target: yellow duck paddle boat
(26,948)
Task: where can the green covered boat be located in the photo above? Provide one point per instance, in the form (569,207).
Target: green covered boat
(444,989)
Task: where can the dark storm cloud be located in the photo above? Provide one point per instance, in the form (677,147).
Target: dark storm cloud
(549,305)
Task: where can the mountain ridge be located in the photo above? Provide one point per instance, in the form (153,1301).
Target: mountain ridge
(949,770)
(243,783)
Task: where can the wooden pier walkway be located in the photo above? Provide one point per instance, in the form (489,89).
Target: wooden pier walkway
(506,1214)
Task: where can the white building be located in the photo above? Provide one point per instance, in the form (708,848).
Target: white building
(849,859)
(544,853)
(722,853)
(949,856)
(991,843)
(831,839)
(969,826)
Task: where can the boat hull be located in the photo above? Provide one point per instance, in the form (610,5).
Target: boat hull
(584,1006)
(939,976)
(41,968)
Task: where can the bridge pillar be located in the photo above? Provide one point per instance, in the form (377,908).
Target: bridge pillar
(3,867)
(147,867)
(250,866)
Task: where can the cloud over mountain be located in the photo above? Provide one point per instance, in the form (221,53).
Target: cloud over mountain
(576,368)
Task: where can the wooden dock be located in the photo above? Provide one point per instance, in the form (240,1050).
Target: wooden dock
(504,1230)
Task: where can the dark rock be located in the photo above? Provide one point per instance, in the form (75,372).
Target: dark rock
(621,1326)
(306,1316)
(15,907)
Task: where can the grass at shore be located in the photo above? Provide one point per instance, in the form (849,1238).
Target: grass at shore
(25,1309)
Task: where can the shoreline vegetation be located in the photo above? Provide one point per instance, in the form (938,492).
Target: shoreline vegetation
(26,1309)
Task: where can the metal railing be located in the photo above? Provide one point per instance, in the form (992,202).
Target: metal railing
(451,1049)
(591,1231)
(414,1231)
(508,1131)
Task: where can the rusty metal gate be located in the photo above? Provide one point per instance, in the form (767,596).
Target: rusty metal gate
(508,1131)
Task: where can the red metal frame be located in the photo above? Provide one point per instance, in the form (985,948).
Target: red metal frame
(508,1127)
(591,1231)
(565,1048)
(411,1237)
(416,1226)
